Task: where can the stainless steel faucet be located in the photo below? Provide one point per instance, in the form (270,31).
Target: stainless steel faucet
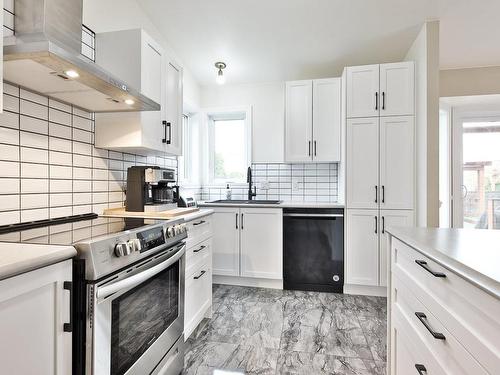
(251,193)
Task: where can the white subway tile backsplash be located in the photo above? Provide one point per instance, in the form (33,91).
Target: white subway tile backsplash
(9,152)
(59,117)
(29,201)
(60,106)
(34,110)
(34,97)
(34,125)
(10,103)
(9,119)
(34,140)
(60,186)
(9,202)
(61,131)
(9,169)
(9,136)
(34,185)
(82,135)
(63,199)
(60,172)
(34,155)
(31,170)
(10,217)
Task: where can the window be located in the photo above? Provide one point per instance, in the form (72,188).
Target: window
(229,146)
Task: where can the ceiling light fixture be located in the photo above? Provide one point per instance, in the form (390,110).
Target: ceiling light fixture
(129,101)
(220,79)
(72,73)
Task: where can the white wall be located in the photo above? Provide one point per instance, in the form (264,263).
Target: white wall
(425,52)
(268,113)
(112,15)
(469,81)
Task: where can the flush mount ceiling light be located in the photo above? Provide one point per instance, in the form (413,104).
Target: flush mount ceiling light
(72,73)
(220,79)
(129,101)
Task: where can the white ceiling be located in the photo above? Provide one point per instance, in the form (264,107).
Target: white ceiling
(271,40)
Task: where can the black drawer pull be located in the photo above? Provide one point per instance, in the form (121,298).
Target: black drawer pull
(423,319)
(423,264)
(200,249)
(200,275)
(420,369)
(68,327)
(199,223)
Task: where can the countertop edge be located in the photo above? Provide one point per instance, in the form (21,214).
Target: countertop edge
(284,204)
(197,215)
(485,283)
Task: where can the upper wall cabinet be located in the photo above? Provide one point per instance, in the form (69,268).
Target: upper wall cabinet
(381,90)
(135,57)
(312,120)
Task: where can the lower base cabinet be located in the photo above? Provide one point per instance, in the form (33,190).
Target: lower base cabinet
(34,307)
(248,242)
(366,244)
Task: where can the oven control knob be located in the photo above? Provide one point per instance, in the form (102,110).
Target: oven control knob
(178,230)
(184,228)
(135,244)
(122,249)
(170,232)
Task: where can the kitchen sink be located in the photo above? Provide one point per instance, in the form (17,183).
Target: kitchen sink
(254,201)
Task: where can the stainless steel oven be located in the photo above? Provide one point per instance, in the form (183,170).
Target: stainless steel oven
(135,315)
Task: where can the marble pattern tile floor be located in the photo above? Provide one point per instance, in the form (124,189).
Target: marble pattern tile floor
(268,331)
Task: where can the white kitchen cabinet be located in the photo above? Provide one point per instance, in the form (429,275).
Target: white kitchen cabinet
(381,90)
(298,120)
(362,164)
(326,119)
(391,218)
(362,257)
(173,125)
(397,162)
(397,89)
(261,242)
(150,70)
(226,241)
(312,120)
(362,91)
(248,242)
(34,308)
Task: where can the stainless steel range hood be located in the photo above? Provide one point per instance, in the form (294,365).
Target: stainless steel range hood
(46,50)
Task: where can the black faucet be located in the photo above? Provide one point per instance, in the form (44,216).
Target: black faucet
(251,193)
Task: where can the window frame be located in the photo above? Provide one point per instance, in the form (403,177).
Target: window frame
(234,113)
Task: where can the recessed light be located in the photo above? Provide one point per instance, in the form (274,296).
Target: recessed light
(129,101)
(72,73)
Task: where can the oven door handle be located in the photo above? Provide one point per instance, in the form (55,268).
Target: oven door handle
(134,280)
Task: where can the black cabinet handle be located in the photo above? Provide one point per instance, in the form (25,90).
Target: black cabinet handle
(68,327)
(383,194)
(420,369)
(376,101)
(200,249)
(314,148)
(199,223)
(383,224)
(309,148)
(376,225)
(423,319)
(241,221)
(200,275)
(383,100)
(236,221)
(167,125)
(425,266)
(376,194)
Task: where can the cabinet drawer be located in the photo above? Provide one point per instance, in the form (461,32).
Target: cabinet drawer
(469,313)
(449,353)
(199,230)
(197,255)
(198,297)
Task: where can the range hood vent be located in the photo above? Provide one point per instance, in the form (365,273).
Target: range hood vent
(45,56)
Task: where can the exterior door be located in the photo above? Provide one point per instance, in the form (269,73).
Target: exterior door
(226,241)
(362,166)
(397,89)
(400,218)
(363,91)
(298,120)
(362,255)
(174,109)
(262,243)
(326,119)
(397,162)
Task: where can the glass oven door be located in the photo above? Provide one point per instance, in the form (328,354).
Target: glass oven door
(141,321)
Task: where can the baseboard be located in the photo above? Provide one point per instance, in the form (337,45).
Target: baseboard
(365,290)
(248,281)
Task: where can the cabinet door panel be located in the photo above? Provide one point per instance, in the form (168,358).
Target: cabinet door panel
(298,120)
(397,89)
(151,69)
(362,165)
(400,218)
(363,91)
(174,109)
(262,243)
(397,160)
(362,252)
(326,119)
(226,242)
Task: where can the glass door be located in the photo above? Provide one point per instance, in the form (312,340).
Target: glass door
(477,173)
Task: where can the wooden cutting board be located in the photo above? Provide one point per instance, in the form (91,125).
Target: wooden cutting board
(157,215)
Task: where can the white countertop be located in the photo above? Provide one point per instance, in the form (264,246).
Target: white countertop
(196,215)
(473,254)
(17,258)
(283,204)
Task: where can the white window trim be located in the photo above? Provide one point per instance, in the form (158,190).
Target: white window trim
(228,113)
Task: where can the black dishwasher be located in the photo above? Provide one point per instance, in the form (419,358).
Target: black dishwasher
(313,249)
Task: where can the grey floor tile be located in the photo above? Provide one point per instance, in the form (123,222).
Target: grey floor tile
(375,330)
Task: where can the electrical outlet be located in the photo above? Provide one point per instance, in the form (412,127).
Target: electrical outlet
(264,185)
(296,186)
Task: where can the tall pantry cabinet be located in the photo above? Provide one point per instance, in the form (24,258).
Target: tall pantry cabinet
(380,166)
